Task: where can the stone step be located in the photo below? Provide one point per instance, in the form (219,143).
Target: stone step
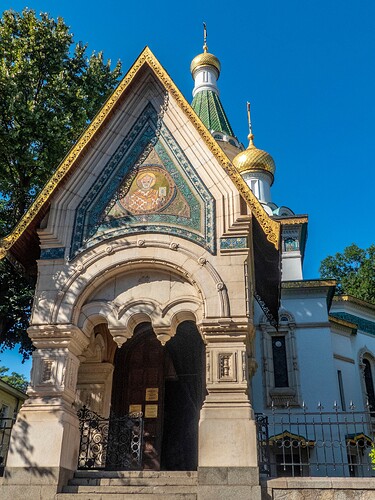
(125,496)
(134,490)
(134,481)
(131,485)
(134,474)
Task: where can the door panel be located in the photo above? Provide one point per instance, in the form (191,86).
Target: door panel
(168,385)
(140,366)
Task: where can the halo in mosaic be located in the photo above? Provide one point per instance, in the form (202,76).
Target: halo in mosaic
(148,185)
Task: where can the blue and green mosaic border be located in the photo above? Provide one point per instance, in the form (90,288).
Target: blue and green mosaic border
(200,227)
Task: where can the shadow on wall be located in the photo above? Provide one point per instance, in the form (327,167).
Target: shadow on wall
(20,445)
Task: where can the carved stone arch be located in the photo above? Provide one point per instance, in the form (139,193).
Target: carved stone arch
(364,353)
(99,348)
(97,312)
(67,307)
(283,313)
(139,311)
(183,310)
(289,318)
(96,350)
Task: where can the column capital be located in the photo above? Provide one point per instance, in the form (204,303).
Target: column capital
(58,337)
(227,330)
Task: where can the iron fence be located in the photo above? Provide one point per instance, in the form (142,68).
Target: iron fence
(113,443)
(6,425)
(297,442)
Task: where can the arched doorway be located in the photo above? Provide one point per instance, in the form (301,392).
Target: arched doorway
(167,384)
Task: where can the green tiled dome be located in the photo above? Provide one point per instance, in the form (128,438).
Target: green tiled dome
(208,107)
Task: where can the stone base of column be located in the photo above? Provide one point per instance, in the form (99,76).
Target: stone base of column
(227,435)
(223,483)
(20,483)
(43,452)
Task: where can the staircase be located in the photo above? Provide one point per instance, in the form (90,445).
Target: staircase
(131,485)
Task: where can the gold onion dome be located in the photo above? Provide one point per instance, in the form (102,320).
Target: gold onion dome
(205,59)
(254,160)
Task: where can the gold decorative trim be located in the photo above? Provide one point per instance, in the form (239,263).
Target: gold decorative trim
(293,221)
(269,226)
(308,284)
(354,300)
(343,322)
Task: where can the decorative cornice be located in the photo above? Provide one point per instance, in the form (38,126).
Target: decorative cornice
(293,221)
(270,227)
(308,284)
(354,300)
(341,322)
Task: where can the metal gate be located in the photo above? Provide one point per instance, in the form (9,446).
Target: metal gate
(113,443)
(263,444)
(295,442)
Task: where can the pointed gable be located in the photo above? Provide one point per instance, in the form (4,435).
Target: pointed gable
(148,179)
(90,221)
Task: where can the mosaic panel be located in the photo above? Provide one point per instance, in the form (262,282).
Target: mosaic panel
(363,324)
(52,253)
(233,243)
(160,193)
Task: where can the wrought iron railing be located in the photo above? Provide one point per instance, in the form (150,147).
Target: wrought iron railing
(110,443)
(297,442)
(6,425)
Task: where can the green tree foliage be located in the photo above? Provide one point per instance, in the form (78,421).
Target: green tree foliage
(354,270)
(49,91)
(16,295)
(15,379)
(372,457)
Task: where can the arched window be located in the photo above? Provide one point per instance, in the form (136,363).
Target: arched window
(280,367)
(280,364)
(369,384)
(254,186)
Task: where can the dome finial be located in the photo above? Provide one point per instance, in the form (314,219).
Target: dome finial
(205,59)
(205,48)
(251,135)
(253,159)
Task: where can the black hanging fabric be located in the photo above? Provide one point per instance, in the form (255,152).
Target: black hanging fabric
(267,267)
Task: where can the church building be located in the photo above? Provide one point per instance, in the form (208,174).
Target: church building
(171,311)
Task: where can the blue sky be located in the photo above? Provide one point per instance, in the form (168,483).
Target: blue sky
(307,67)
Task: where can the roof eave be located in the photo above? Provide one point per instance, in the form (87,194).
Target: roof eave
(38,209)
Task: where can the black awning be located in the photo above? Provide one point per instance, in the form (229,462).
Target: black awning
(267,266)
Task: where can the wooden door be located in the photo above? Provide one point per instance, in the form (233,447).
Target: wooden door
(139,387)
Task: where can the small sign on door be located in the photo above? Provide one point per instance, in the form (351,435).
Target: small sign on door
(135,408)
(151,411)
(152,394)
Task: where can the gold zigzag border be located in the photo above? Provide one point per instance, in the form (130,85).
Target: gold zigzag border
(269,226)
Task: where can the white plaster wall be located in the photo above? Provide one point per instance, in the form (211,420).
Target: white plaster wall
(291,267)
(263,185)
(317,373)
(317,344)
(205,78)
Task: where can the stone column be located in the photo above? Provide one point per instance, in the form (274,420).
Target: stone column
(228,464)
(94,386)
(45,438)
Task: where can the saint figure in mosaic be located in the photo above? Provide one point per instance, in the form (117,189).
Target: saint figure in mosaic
(150,192)
(145,198)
